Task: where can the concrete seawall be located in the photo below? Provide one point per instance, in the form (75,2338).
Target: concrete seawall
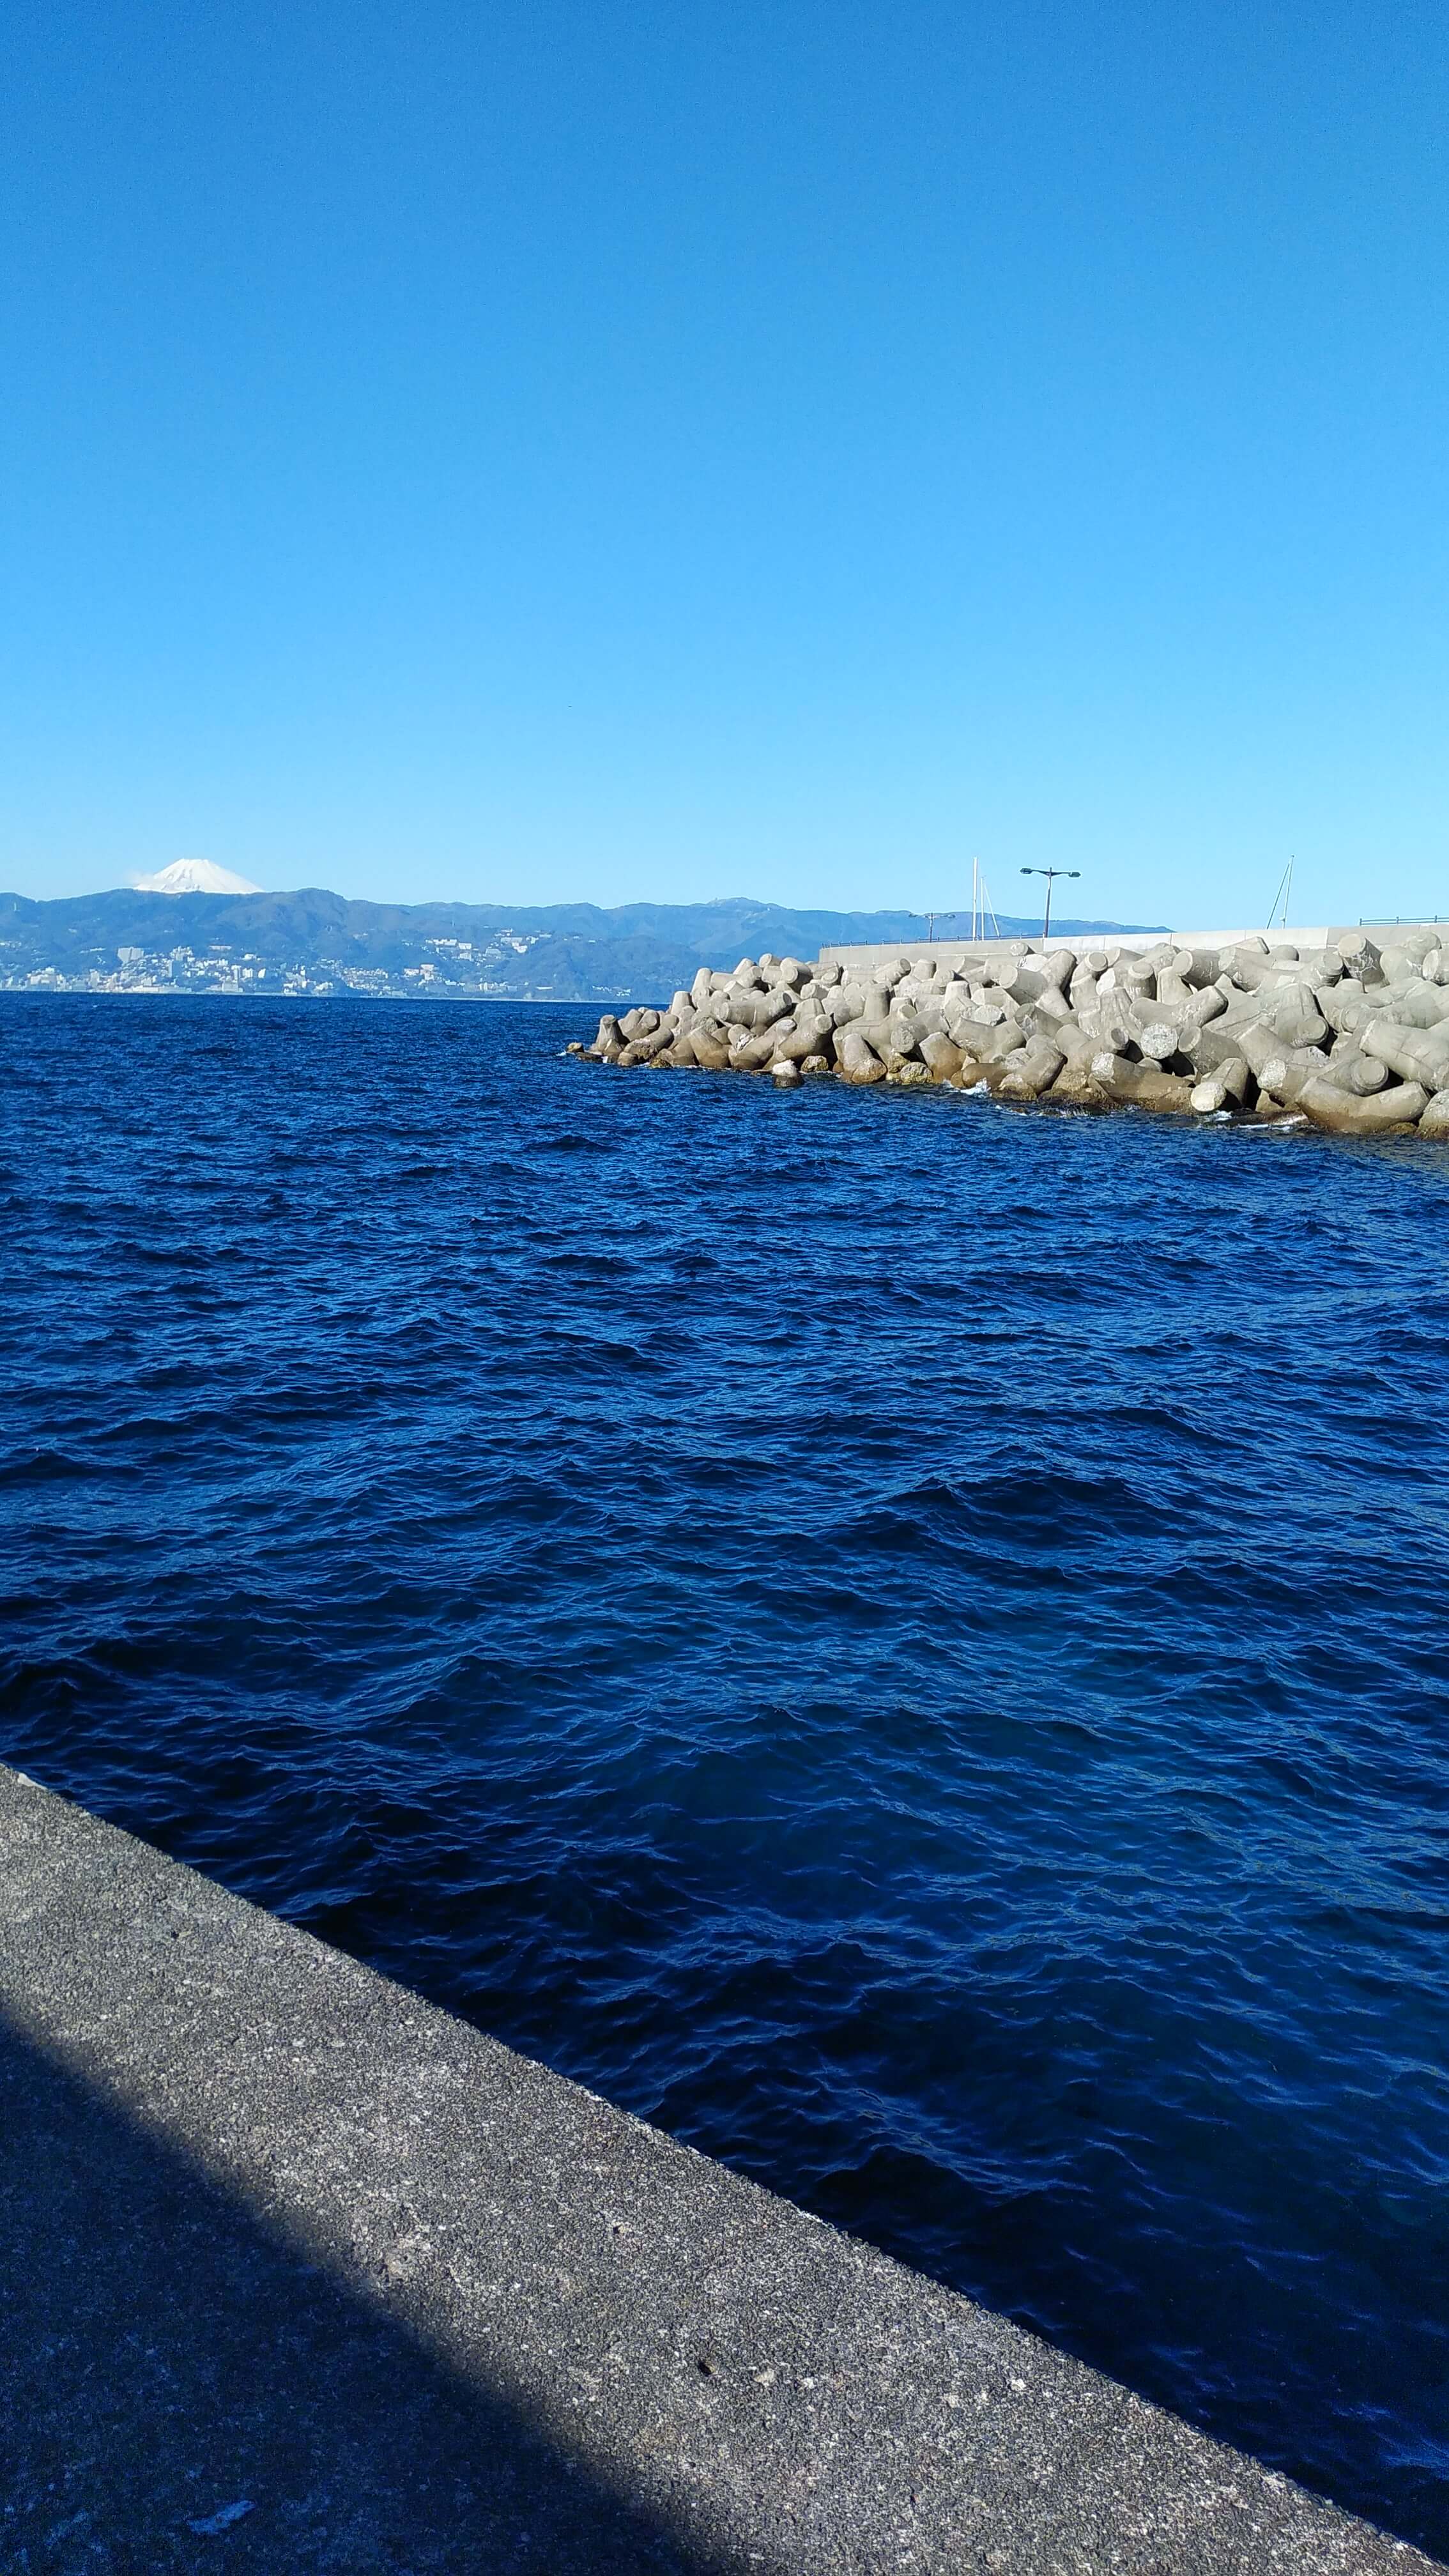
(953,950)
(302,2274)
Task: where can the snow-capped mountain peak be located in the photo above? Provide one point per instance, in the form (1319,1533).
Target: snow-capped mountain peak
(195,876)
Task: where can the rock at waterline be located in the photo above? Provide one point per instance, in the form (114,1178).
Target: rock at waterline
(1348,1039)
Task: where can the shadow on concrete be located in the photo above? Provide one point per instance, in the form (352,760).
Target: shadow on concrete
(167,2362)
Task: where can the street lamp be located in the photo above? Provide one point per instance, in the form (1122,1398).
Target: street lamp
(1049,874)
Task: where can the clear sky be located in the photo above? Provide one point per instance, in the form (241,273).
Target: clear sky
(593,448)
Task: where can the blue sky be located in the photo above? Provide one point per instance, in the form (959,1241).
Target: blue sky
(553,451)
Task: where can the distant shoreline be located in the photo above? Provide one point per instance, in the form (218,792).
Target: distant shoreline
(251,993)
(316,943)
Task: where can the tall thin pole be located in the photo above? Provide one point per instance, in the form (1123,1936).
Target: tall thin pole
(1050,874)
(1283,895)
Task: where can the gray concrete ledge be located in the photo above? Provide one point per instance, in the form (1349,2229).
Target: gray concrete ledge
(952,951)
(301,2274)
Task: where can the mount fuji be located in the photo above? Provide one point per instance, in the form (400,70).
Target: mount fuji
(195,876)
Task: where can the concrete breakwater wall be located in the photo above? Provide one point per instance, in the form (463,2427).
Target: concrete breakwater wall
(302,2277)
(1352,1035)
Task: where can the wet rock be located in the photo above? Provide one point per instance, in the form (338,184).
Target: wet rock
(1032,1070)
(941,1056)
(1356,1039)
(1283,1073)
(1145,1084)
(1400,1105)
(754,1054)
(710,1045)
(858,1060)
(1074,1086)
(1226,1088)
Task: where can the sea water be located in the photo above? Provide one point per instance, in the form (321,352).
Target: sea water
(901,1639)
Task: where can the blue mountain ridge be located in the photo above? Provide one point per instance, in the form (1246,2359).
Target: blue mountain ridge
(564,951)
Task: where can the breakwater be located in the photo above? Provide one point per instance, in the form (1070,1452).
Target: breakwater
(1351,1035)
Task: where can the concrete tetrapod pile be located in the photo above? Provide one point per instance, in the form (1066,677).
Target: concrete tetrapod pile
(1353,1037)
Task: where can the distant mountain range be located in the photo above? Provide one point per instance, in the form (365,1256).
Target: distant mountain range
(313,942)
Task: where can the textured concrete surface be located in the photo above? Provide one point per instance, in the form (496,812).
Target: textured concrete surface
(951,950)
(301,2274)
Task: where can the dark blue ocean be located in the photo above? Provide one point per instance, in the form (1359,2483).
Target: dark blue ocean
(904,1640)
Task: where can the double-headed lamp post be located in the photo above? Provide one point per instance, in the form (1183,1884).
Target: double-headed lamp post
(1049,874)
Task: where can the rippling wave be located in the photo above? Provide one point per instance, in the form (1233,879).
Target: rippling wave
(899,1638)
